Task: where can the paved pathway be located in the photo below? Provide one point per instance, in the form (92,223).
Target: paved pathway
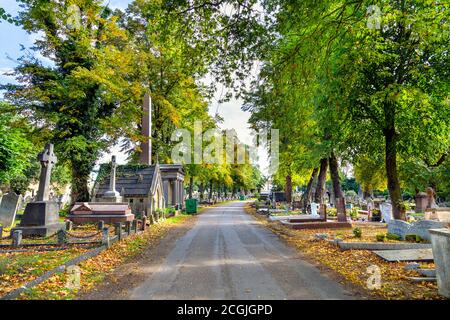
(227,255)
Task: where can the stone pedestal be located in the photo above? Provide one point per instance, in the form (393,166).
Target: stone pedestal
(41,218)
(440,239)
(111,196)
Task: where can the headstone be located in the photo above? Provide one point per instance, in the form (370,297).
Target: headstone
(421,200)
(16,238)
(112,195)
(8,209)
(386,212)
(314,208)
(69,225)
(398,227)
(420,228)
(101,225)
(41,218)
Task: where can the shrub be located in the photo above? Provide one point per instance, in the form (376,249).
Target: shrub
(332,212)
(380,237)
(413,238)
(353,213)
(392,236)
(357,232)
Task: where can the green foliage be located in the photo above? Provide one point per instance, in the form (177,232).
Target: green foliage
(15,147)
(392,236)
(357,232)
(413,238)
(380,237)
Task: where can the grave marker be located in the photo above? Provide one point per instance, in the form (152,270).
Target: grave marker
(8,209)
(41,218)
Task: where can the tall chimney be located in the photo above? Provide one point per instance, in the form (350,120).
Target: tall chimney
(146,146)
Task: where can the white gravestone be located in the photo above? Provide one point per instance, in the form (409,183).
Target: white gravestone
(314,208)
(386,212)
(8,209)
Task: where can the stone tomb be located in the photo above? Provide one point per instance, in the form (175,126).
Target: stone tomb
(8,209)
(420,228)
(108,212)
(41,218)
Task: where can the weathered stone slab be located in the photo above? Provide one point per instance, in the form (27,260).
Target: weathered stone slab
(317,225)
(382,246)
(405,255)
(8,209)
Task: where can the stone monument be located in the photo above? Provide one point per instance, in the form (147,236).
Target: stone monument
(386,211)
(8,209)
(41,218)
(314,208)
(421,200)
(146,146)
(112,195)
(431,198)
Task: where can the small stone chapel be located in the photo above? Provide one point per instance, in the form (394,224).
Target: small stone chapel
(145,187)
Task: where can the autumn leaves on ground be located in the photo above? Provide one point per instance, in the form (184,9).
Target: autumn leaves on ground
(351,265)
(16,269)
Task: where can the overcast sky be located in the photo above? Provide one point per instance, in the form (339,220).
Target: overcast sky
(12,37)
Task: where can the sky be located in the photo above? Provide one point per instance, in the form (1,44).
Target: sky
(12,38)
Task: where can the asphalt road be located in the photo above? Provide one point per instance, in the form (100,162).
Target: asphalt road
(227,255)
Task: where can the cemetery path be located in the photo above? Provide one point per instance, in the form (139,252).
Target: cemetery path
(228,255)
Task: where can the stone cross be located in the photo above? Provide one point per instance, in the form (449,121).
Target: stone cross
(112,181)
(48,160)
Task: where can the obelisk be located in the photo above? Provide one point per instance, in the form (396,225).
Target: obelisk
(146,146)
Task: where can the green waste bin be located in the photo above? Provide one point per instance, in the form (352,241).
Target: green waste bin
(191,206)
(242,197)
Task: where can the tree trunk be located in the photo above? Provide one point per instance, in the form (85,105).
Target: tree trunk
(288,189)
(308,193)
(191,186)
(337,191)
(80,180)
(367,193)
(210,190)
(398,210)
(334,173)
(318,197)
(201,190)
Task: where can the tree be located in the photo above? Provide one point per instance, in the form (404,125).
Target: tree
(85,95)
(16,150)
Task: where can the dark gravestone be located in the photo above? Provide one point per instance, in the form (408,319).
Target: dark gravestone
(41,218)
